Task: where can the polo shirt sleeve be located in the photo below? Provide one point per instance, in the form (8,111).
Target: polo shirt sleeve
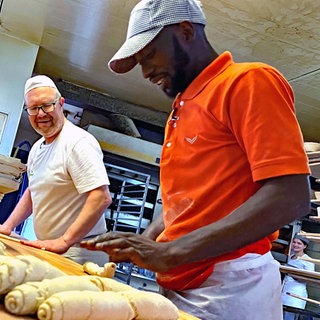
(262,118)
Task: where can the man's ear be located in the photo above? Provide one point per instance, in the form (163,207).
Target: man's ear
(187,30)
(61,101)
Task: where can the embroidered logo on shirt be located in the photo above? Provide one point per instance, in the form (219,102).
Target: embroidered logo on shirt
(191,140)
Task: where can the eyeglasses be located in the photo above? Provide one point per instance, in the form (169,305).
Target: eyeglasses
(46,107)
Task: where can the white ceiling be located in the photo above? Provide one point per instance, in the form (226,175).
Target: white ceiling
(78,37)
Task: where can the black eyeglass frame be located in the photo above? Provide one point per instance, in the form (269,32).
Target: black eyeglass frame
(43,107)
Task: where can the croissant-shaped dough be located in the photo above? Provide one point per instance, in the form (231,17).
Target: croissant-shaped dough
(107,284)
(84,305)
(20,269)
(12,272)
(108,270)
(26,298)
(151,305)
(38,269)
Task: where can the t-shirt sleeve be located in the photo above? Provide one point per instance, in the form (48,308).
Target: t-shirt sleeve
(86,166)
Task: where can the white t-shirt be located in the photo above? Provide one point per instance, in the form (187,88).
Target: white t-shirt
(60,174)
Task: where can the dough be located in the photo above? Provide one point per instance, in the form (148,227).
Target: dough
(20,269)
(151,305)
(108,270)
(26,298)
(107,284)
(84,305)
(12,272)
(38,269)
(127,305)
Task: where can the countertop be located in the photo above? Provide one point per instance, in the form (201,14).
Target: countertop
(14,248)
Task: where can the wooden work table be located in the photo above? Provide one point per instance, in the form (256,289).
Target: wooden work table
(14,248)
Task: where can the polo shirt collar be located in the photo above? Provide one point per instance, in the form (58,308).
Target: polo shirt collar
(216,67)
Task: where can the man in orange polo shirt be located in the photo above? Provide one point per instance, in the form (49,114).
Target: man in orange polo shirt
(233,169)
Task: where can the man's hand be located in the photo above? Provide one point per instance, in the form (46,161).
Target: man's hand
(56,245)
(131,247)
(5,229)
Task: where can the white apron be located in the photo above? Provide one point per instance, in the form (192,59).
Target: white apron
(246,288)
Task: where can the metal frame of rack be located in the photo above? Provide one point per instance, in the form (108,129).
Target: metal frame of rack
(130,203)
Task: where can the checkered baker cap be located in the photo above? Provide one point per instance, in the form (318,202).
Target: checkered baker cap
(147,19)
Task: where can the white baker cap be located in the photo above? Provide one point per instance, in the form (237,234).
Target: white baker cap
(38,81)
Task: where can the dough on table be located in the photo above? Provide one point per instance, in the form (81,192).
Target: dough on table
(26,298)
(108,284)
(126,305)
(38,269)
(12,272)
(84,305)
(20,269)
(151,305)
(108,270)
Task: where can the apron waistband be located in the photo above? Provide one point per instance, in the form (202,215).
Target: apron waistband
(248,261)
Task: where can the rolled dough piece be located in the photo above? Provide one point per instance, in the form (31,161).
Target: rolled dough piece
(20,269)
(151,305)
(84,305)
(107,284)
(12,272)
(38,269)
(108,270)
(26,298)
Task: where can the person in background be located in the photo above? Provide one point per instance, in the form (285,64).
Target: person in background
(68,184)
(233,169)
(292,285)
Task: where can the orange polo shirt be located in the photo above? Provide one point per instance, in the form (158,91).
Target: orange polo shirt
(232,127)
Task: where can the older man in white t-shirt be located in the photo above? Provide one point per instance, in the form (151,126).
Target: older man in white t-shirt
(68,183)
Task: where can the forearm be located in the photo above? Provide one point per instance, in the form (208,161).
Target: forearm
(279,202)
(21,212)
(155,228)
(97,202)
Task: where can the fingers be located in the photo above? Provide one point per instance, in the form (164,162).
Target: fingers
(118,245)
(106,239)
(128,247)
(33,244)
(113,246)
(126,255)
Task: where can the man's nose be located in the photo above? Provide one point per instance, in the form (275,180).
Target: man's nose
(41,113)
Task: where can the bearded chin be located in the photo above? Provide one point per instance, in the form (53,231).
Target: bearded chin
(179,81)
(178,84)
